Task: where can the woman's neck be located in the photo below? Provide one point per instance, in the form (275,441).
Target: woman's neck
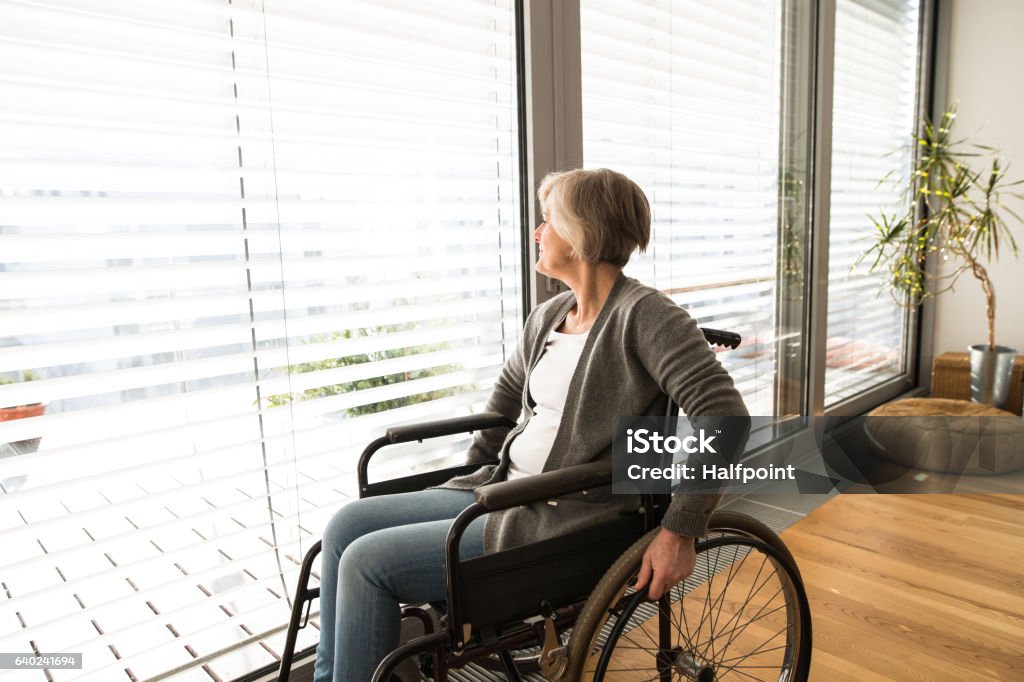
(591,284)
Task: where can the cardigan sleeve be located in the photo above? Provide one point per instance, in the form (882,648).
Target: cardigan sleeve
(674,352)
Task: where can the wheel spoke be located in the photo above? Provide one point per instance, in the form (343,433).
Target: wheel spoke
(732,573)
(640,626)
(682,610)
(751,593)
(757,651)
(706,614)
(719,600)
(758,616)
(747,601)
(678,624)
(719,675)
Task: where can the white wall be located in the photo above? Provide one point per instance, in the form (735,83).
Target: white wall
(985,74)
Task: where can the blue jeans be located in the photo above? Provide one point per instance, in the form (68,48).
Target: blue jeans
(380,552)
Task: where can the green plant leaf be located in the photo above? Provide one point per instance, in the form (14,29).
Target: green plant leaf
(961,216)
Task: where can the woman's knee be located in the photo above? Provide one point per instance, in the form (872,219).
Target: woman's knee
(349,523)
(361,561)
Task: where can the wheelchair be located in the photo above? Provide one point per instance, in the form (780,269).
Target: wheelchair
(565,607)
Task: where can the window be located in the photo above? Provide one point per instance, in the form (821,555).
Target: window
(236,239)
(874,115)
(686,99)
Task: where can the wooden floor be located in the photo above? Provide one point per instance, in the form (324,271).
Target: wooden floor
(915,587)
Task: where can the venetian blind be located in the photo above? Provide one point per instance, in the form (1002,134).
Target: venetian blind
(874,115)
(684,98)
(237,238)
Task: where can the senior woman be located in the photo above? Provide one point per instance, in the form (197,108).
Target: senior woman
(608,347)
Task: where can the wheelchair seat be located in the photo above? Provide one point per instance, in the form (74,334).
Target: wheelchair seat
(509,586)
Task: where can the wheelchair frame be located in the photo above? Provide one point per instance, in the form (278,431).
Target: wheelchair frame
(452,647)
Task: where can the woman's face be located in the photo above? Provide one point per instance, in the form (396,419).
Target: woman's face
(554,253)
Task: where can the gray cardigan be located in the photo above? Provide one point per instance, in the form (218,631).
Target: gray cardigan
(641,348)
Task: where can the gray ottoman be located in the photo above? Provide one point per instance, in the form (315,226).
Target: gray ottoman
(938,434)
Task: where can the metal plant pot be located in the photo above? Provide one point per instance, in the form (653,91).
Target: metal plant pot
(990,374)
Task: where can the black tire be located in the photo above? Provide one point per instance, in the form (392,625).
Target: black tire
(745,574)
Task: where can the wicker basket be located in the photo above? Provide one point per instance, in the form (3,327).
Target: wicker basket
(951,378)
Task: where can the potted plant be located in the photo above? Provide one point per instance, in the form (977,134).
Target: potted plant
(953,223)
(21,412)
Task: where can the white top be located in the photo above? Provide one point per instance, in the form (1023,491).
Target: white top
(549,387)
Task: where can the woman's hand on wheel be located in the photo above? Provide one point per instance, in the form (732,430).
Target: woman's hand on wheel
(668,559)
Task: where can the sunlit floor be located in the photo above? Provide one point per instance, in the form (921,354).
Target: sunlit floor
(915,587)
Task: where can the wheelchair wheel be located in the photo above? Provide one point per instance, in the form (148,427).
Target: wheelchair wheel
(742,615)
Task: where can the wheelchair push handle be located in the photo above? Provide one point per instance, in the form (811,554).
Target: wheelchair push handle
(719,337)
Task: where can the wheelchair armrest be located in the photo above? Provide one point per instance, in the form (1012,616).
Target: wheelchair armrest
(447,427)
(422,431)
(544,486)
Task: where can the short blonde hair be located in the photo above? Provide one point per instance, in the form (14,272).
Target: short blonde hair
(603,215)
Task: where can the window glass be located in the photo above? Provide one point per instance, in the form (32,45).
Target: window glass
(686,98)
(874,116)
